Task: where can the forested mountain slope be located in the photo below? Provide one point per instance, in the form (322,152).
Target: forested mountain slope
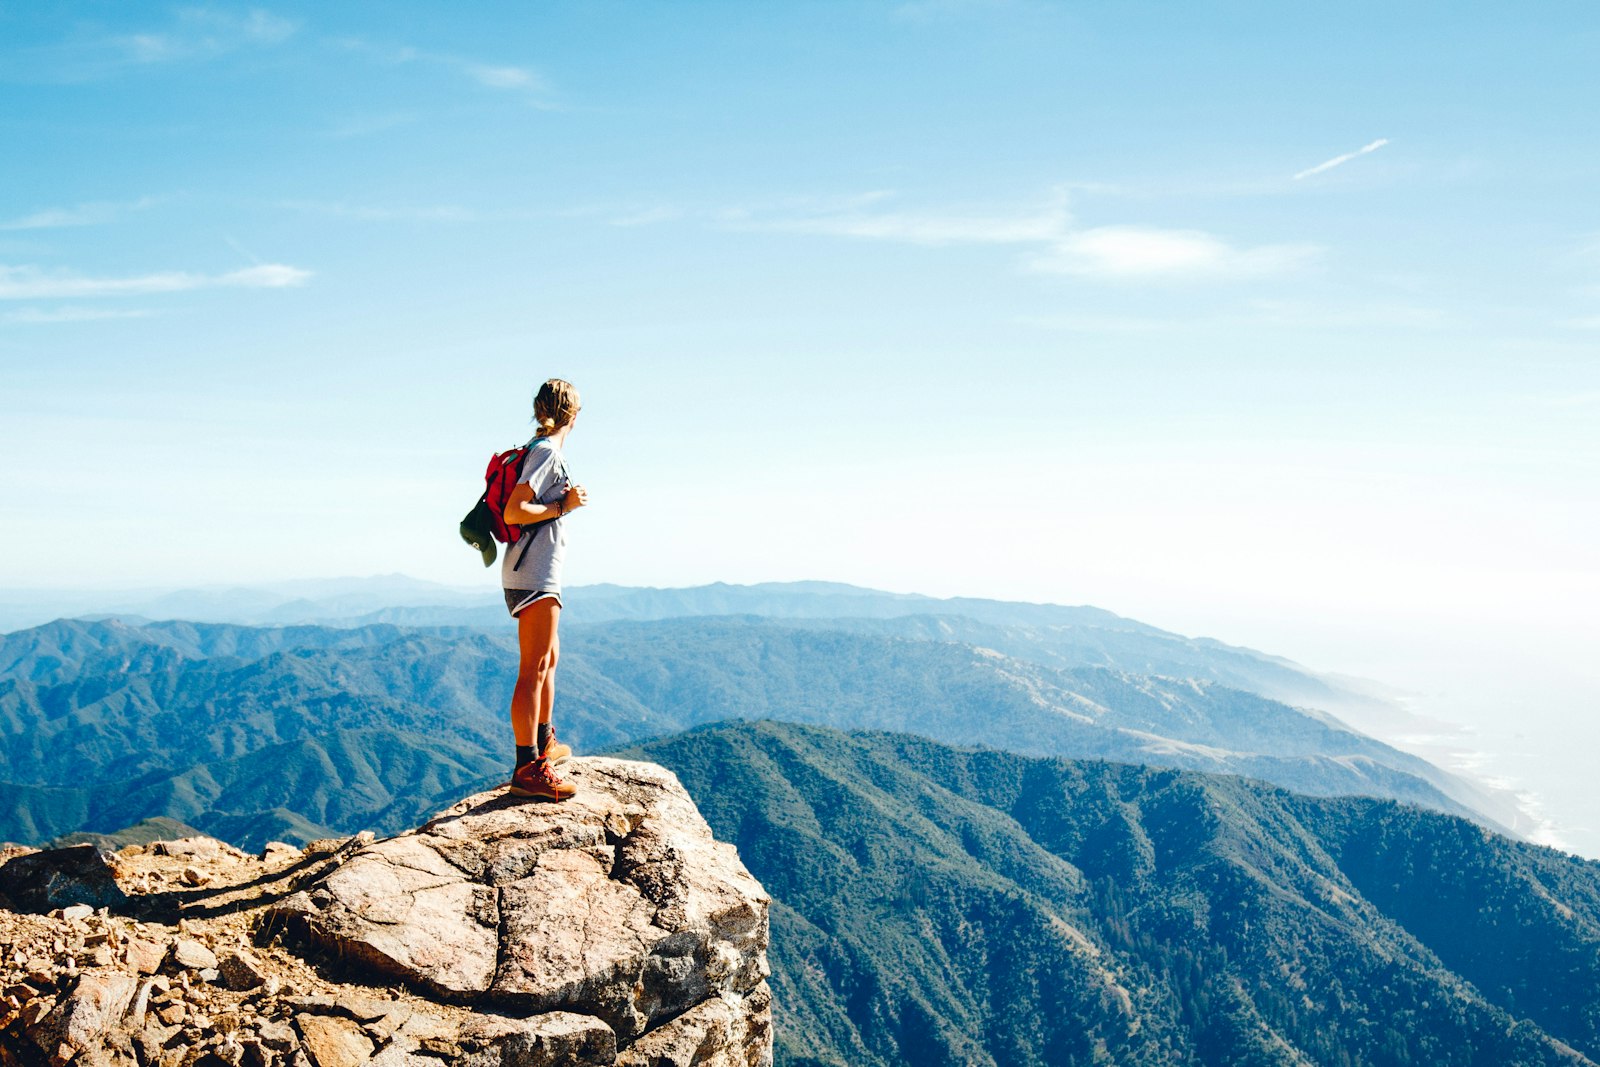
(1053,634)
(301,731)
(944,906)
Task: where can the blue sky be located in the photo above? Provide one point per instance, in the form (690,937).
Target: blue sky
(1262,321)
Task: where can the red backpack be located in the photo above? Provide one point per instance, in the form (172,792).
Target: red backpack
(485,523)
(500,477)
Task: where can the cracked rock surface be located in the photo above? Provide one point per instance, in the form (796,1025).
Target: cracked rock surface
(616,904)
(609,929)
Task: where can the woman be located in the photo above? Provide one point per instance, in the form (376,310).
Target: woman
(531,577)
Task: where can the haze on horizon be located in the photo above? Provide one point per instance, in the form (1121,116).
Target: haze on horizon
(1274,326)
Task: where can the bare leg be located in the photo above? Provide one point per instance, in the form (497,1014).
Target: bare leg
(547,694)
(536,640)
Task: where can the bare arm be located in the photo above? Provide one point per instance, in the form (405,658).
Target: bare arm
(523,510)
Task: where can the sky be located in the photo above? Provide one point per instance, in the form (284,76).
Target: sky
(1264,322)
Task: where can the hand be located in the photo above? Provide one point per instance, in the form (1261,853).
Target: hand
(577,496)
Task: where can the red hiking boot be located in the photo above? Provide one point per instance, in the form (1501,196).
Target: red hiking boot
(555,751)
(538,779)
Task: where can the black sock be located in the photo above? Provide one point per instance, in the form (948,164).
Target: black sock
(525,754)
(543,740)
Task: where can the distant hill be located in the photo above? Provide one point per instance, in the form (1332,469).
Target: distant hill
(1052,634)
(935,905)
(141,833)
(277,603)
(296,732)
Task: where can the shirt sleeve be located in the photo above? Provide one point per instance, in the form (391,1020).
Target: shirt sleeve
(545,474)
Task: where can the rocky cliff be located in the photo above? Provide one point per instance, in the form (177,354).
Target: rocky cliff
(610,929)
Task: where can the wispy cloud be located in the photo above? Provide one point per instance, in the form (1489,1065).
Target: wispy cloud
(1133,252)
(91,214)
(614,215)
(619,215)
(191,34)
(503,77)
(203,33)
(523,81)
(31,283)
(1059,246)
(47,316)
(936,228)
(1339,161)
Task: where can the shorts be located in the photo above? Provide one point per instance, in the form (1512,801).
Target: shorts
(517,599)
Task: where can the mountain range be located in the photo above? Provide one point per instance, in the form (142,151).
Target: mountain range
(945,906)
(305,731)
(1053,634)
(994,834)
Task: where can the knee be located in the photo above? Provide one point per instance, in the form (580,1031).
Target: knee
(536,668)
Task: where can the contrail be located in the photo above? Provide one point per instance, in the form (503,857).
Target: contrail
(1340,160)
(242,250)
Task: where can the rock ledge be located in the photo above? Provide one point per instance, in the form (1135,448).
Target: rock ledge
(609,929)
(617,905)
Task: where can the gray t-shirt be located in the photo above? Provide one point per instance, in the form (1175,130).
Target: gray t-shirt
(533,561)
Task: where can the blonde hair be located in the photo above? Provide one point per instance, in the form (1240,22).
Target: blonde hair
(554,406)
